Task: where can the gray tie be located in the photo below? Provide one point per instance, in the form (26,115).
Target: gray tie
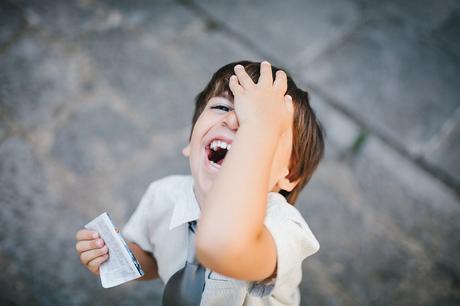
(185,287)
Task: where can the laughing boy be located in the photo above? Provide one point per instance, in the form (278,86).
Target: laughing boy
(255,143)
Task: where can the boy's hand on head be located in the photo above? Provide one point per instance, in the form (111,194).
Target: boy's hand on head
(92,249)
(263,103)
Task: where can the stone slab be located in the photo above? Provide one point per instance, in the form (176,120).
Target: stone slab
(24,202)
(37,77)
(383,225)
(66,18)
(107,89)
(341,132)
(293,32)
(3,125)
(156,164)
(444,150)
(166,19)
(424,213)
(140,74)
(37,238)
(448,31)
(387,87)
(425,15)
(153,64)
(95,137)
(12,22)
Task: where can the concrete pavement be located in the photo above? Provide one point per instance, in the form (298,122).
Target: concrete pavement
(96,99)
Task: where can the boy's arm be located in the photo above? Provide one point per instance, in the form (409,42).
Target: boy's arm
(231,236)
(146,260)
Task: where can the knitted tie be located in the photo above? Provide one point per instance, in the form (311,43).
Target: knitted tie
(185,287)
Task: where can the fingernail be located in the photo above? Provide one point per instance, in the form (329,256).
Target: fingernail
(100,243)
(265,63)
(95,235)
(239,67)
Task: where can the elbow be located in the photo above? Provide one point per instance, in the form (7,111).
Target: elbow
(206,254)
(216,254)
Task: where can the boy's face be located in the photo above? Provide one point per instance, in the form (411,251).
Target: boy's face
(211,139)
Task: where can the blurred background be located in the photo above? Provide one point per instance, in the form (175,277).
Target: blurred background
(96,100)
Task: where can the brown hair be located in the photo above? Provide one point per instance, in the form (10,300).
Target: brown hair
(307,134)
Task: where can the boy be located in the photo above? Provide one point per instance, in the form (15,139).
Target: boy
(255,143)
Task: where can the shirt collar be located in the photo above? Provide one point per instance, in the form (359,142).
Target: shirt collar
(186,208)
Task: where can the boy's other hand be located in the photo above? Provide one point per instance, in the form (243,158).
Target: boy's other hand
(92,249)
(263,103)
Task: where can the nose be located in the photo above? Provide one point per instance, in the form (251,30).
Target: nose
(231,121)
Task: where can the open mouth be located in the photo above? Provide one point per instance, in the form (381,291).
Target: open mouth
(217,150)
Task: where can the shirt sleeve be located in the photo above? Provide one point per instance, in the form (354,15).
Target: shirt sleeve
(136,230)
(294,242)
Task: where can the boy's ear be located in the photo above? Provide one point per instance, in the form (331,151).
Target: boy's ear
(287,185)
(186,150)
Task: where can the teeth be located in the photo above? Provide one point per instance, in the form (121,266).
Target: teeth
(219,144)
(214,164)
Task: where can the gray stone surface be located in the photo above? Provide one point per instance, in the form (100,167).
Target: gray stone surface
(3,124)
(12,22)
(146,169)
(160,70)
(443,150)
(94,135)
(96,99)
(24,200)
(341,133)
(67,18)
(426,15)
(297,30)
(380,221)
(144,75)
(37,244)
(396,82)
(448,32)
(37,77)
(418,214)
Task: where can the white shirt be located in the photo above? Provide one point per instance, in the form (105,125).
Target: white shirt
(160,225)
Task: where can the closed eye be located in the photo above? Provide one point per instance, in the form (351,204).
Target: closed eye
(221,107)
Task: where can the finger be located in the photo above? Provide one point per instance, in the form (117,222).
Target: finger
(86,245)
(243,78)
(289,104)
(280,81)
(94,264)
(85,234)
(90,255)
(266,76)
(235,87)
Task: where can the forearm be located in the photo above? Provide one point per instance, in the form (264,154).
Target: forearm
(146,260)
(234,210)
